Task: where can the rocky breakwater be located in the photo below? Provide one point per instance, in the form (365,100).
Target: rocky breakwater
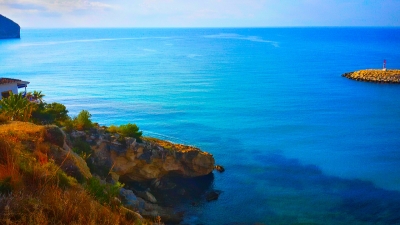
(8,28)
(378,76)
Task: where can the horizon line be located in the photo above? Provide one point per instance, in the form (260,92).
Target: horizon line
(222,27)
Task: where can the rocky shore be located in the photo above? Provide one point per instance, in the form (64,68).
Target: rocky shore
(378,76)
(157,174)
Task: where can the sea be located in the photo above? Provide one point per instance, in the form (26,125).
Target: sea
(300,144)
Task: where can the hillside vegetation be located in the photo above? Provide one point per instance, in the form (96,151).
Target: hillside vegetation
(42,181)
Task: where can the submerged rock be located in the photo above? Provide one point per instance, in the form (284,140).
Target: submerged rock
(8,28)
(212,195)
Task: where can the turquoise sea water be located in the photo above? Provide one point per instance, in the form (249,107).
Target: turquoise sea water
(300,144)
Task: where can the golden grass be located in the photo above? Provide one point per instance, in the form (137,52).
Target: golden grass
(34,190)
(21,131)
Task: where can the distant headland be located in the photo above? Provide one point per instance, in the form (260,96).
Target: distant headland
(8,28)
(375,75)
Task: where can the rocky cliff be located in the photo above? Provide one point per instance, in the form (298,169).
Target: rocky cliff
(148,159)
(45,145)
(8,28)
(150,163)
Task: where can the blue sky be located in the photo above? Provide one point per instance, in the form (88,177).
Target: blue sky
(201,13)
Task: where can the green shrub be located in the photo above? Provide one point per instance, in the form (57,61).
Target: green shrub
(54,113)
(68,125)
(130,130)
(16,107)
(64,180)
(104,193)
(112,129)
(82,121)
(58,112)
(81,147)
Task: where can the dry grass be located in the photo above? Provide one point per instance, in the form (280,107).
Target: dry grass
(34,190)
(56,206)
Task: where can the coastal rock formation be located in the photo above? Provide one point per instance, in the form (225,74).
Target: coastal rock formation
(378,76)
(8,28)
(147,160)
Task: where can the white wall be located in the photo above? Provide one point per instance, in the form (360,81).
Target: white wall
(7,87)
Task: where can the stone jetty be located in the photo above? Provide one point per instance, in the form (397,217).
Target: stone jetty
(378,76)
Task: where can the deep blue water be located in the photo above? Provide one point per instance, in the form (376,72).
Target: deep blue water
(300,144)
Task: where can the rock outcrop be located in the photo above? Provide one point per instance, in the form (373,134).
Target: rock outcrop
(378,76)
(147,160)
(8,28)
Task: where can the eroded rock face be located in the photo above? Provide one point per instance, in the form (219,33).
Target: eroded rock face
(150,159)
(61,153)
(8,28)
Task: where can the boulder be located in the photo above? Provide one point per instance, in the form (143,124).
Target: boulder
(129,199)
(219,168)
(149,210)
(8,28)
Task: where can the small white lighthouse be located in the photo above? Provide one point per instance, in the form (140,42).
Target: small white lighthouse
(384,65)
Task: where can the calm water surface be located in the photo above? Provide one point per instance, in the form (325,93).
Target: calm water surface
(300,144)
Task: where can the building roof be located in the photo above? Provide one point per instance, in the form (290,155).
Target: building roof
(10,80)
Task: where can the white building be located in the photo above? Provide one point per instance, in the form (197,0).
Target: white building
(8,84)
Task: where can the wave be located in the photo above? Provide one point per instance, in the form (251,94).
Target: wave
(172,139)
(242,37)
(88,40)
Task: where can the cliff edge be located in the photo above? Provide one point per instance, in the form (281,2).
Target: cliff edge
(8,28)
(148,159)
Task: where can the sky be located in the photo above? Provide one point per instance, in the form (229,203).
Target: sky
(200,13)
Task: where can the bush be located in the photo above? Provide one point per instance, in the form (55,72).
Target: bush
(68,125)
(55,113)
(81,147)
(16,107)
(104,193)
(112,129)
(130,130)
(82,121)
(58,112)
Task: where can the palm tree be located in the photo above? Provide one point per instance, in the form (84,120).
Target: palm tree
(17,107)
(37,95)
